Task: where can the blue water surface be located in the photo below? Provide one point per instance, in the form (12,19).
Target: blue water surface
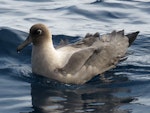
(127,88)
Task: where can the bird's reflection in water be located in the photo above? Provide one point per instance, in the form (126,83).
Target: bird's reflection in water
(89,98)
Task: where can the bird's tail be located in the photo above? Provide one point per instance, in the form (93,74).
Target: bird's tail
(132,37)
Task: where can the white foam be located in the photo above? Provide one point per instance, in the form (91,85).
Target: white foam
(144,101)
(139,59)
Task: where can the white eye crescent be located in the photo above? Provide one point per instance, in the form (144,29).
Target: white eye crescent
(39,31)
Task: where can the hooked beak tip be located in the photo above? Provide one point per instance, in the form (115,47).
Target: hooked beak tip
(18,50)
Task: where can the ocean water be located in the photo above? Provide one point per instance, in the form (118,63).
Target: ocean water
(128,89)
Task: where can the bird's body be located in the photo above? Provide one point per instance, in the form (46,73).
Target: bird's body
(78,62)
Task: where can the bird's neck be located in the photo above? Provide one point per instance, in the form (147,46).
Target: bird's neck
(43,55)
(44,49)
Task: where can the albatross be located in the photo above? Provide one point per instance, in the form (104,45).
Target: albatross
(78,62)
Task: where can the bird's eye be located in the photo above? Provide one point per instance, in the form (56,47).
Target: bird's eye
(38,32)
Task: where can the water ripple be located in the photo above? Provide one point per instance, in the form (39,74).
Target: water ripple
(124,89)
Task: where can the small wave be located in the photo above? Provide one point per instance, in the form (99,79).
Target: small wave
(145,60)
(100,15)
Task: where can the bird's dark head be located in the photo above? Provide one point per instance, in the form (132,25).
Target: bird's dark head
(38,34)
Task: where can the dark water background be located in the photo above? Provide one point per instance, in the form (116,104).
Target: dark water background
(23,92)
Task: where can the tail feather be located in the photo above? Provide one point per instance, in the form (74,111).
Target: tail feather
(132,37)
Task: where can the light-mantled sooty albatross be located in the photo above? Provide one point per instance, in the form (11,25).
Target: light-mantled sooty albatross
(76,63)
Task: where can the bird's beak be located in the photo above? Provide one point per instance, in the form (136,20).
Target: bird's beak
(24,44)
